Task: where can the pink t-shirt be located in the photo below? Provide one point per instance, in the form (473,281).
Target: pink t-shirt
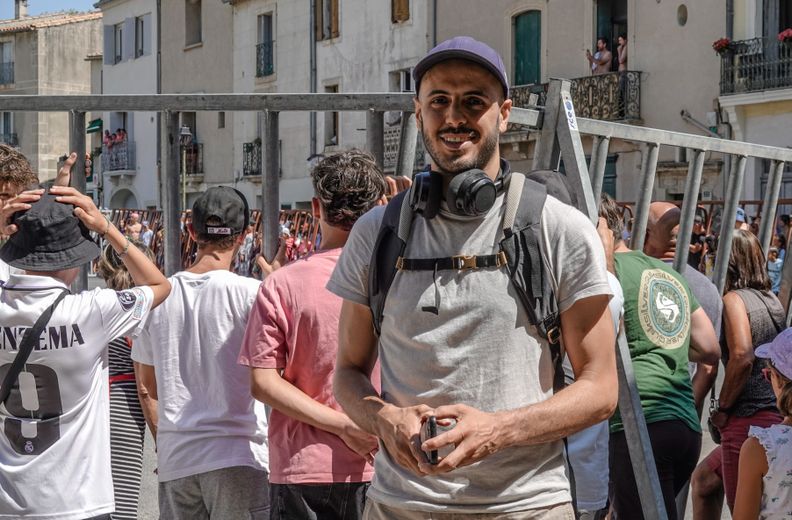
(294,326)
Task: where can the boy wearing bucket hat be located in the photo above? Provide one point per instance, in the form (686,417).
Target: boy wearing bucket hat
(54,443)
(764,485)
(211,435)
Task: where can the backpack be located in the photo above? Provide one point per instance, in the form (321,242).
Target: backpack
(520,251)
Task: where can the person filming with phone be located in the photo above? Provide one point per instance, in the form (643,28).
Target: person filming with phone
(447,322)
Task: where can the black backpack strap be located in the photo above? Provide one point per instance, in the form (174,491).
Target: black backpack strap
(389,247)
(29,340)
(522,244)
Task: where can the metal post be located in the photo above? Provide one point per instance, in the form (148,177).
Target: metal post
(270,192)
(170,205)
(731,198)
(572,154)
(692,187)
(648,169)
(638,443)
(407,143)
(78,181)
(770,205)
(546,151)
(375,135)
(599,159)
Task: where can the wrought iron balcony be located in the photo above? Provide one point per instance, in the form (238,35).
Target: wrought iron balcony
(118,157)
(9,139)
(193,156)
(756,64)
(6,73)
(392,140)
(615,96)
(265,59)
(251,158)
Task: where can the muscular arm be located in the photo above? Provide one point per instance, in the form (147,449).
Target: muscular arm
(268,386)
(752,469)
(147,392)
(705,351)
(590,344)
(740,344)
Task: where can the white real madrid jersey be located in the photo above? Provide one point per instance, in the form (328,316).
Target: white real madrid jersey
(54,434)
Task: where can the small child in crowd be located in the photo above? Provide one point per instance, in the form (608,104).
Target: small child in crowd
(764,486)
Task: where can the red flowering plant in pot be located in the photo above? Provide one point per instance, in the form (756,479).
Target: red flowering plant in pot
(721,45)
(785,36)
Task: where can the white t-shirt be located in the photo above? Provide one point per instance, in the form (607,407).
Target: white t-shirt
(207,418)
(479,349)
(5,271)
(55,436)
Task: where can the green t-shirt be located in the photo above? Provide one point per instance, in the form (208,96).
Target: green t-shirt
(657,308)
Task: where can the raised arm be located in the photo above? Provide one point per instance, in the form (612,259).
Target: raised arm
(142,270)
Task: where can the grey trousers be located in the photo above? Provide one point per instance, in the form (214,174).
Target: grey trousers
(377,511)
(239,492)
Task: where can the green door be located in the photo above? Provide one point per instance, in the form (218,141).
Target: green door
(528,48)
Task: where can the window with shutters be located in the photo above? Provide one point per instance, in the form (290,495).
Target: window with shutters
(192,22)
(326,20)
(141,34)
(118,43)
(400,10)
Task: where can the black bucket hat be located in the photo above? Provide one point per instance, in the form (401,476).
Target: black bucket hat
(49,238)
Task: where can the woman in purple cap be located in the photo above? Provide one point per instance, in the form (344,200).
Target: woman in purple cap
(764,485)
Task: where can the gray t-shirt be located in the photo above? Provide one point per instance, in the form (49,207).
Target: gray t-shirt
(480,349)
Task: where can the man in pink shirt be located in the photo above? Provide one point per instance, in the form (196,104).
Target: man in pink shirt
(320,461)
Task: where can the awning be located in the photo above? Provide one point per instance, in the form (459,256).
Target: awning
(94,126)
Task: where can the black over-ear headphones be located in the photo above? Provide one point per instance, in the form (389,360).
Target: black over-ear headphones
(470,193)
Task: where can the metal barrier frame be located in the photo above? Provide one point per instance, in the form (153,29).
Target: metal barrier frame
(559,139)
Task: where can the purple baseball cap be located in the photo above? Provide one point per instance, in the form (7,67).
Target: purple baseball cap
(779,352)
(463,48)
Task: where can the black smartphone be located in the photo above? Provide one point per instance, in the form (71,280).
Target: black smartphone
(428,431)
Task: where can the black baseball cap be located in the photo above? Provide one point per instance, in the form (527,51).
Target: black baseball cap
(463,48)
(49,238)
(227,207)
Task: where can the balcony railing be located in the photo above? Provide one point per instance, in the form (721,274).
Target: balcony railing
(265,59)
(615,96)
(7,73)
(9,139)
(119,157)
(193,155)
(756,64)
(251,158)
(391,155)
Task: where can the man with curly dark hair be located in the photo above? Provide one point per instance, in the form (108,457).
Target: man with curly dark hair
(316,451)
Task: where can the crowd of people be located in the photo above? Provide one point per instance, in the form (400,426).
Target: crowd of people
(445,351)
(119,136)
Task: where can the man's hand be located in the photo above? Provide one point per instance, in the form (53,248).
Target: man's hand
(64,174)
(362,443)
(399,429)
(475,436)
(21,202)
(396,184)
(85,209)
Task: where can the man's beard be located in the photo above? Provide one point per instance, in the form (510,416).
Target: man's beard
(461,164)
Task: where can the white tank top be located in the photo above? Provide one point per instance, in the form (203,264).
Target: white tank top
(777,483)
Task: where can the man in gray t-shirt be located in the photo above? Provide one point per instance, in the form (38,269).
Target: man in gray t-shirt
(458,344)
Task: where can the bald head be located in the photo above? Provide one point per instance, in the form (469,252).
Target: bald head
(661,230)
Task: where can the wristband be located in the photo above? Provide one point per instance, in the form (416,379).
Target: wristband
(107,228)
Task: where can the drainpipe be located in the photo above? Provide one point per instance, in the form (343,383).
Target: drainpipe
(434,23)
(312,32)
(730,19)
(159,91)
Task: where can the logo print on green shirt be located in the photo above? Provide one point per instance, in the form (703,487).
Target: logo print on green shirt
(663,309)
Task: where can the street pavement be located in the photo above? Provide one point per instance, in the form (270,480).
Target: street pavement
(149,510)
